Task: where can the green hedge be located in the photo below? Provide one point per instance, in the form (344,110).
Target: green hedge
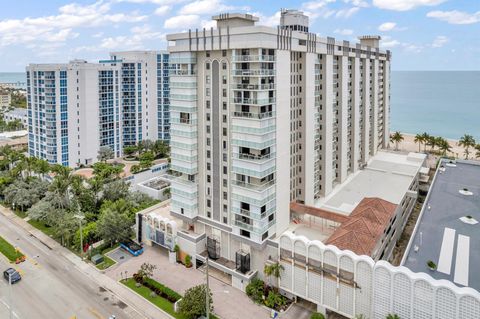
(158,288)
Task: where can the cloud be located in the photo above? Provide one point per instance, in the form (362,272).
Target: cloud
(404,5)
(387,26)
(315,5)
(357,3)
(344,31)
(182,21)
(455,17)
(207,7)
(346,13)
(440,41)
(163,10)
(60,27)
(135,41)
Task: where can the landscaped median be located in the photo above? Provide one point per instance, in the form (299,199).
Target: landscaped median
(10,252)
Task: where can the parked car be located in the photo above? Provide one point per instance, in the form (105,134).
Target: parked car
(132,247)
(12,274)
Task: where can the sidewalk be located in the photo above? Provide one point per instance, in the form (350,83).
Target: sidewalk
(139,308)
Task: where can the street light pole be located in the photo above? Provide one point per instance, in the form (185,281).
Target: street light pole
(80,219)
(207,296)
(10,294)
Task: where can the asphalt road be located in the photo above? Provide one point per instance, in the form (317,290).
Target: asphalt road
(51,286)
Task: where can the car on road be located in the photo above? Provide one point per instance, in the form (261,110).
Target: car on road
(12,274)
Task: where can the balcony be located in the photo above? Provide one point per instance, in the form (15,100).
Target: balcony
(253,58)
(254,72)
(257,116)
(254,157)
(260,187)
(257,229)
(254,101)
(183,72)
(241,86)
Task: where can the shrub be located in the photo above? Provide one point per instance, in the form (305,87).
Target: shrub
(193,305)
(162,290)
(431,265)
(255,290)
(188,261)
(317,315)
(275,300)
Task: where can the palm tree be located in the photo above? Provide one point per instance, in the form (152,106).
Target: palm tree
(396,138)
(467,141)
(425,139)
(274,270)
(41,167)
(392,316)
(418,139)
(477,148)
(444,146)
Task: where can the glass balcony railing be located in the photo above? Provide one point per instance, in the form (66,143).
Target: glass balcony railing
(253,58)
(242,86)
(254,72)
(249,115)
(254,101)
(256,187)
(253,157)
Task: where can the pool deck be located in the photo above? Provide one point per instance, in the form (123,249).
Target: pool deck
(440,235)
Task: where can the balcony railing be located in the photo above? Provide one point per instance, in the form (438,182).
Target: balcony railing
(256,101)
(254,115)
(253,157)
(182,72)
(269,86)
(254,72)
(253,58)
(255,187)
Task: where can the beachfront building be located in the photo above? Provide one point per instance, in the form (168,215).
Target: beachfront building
(262,117)
(17,114)
(78,107)
(5,100)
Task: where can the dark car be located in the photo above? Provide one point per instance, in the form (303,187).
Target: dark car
(13,274)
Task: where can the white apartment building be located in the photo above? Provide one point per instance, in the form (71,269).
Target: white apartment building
(5,100)
(262,117)
(78,107)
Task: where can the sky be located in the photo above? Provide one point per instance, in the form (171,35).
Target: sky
(422,34)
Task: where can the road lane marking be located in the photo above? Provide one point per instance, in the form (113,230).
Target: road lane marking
(446,252)
(95,313)
(8,307)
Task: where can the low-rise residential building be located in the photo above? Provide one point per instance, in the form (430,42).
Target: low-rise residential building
(5,100)
(17,114)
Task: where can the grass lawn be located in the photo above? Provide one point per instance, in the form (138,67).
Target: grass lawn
(158,301)
(20,214)
(47,230)
(8,250)
(109,249)
(107,262)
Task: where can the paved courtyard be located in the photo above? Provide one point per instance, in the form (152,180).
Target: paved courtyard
(229,302)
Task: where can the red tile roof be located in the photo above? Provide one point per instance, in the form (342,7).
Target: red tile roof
(318,212)
(364,227)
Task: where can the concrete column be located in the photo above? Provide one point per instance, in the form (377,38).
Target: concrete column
(366,110)
(343,145)
(375,90)
(355,114)
(386,104)
(308,130)
(283,141)
(327,118)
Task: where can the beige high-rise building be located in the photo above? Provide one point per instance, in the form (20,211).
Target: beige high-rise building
(262,117)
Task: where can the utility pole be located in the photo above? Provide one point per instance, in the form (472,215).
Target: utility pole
(207,295)
(80,218)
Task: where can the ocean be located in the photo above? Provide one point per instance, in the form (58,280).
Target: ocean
(441,103)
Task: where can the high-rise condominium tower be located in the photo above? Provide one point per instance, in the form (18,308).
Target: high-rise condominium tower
(78,107)
(262,117)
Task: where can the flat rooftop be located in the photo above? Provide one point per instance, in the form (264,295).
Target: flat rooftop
(440,234)
(387,176)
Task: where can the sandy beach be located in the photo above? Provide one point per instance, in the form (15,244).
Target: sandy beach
(408,145)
